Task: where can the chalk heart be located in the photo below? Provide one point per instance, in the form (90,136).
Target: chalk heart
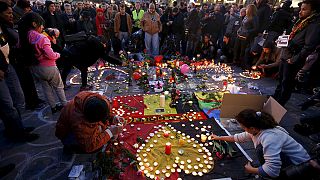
(185,155)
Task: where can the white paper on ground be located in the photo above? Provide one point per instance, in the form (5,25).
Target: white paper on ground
(75,171)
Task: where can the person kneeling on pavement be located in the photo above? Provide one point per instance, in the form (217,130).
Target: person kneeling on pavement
(84,124)
(280,156)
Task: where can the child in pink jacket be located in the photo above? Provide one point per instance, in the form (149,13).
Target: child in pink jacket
(46,71)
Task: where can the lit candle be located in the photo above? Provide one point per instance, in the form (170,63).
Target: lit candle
(168,148)
(166,134)
(162,100)
(154,77)
(203,138)
(166,94)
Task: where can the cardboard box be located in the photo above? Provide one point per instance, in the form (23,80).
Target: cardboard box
(232,104)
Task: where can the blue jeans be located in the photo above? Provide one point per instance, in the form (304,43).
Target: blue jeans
(123,37)
(152,43)
(11,100)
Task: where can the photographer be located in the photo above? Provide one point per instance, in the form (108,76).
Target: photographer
(85,125)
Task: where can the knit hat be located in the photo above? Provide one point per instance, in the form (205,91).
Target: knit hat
(100,10)
(96,109)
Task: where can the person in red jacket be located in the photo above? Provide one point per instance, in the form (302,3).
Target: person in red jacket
(84,123)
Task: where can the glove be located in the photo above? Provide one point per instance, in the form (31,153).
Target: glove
(302,76)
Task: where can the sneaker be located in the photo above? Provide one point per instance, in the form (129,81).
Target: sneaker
(4,170)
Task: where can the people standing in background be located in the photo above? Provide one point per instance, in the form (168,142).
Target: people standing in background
(137,15)
(151,25)
(122,26)
(11,94)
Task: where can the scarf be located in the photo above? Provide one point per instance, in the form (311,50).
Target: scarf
(302,24)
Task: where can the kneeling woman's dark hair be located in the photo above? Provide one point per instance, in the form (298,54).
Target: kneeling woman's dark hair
(96,109)
(251,118)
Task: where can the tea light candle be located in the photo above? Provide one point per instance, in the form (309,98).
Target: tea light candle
(189,167)
(172,137)
(183,125)
(204,156)
(204,171)
(139,159)
(146,172)
(147,164)
(177,158)
(210,158)
(192,125)
(200,173)
(194,173)
(194,145)
(200,122)
(196,128)
(188,161)
(138,129)
(142,168)
(155,164)
(162,101)
(174,165)
(198,159)
(155,141)
(182,162)
(209,166)
(151,145)
(166,94)
(173,170)
(132,125)
(181,166)
(187,171)
(167,175)
(145,160)
(140,163)
(144,155)
(151,176)
(200,165)
(168,167)
(206,162)
(203,138)
(168,148)
(179,170)
(200,150)
(163,171)
(148,150)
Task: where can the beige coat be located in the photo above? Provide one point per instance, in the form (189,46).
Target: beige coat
(151,23)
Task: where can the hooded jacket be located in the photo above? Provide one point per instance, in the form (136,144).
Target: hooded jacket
(43,51)
(90,136)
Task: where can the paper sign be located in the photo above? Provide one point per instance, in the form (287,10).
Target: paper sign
(283,41)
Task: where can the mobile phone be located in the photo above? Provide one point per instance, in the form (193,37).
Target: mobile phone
(159,110)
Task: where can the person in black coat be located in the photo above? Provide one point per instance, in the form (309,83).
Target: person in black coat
(264,13)
(178,30)
(52,20)
(83,54)
(303,40)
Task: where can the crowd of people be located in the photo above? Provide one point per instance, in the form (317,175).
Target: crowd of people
(35,43)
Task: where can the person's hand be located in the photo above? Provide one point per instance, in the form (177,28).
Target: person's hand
(115,130)
(289,61)
(248,168)
(1,75)
(214,137)
(262,66)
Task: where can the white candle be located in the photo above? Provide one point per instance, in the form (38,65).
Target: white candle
(162,101)
(154,77)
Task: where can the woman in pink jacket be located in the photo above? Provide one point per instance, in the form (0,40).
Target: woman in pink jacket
(38,49)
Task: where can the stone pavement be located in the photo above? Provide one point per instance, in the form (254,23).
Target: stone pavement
(44,158)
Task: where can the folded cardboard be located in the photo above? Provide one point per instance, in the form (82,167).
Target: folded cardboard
(232,104)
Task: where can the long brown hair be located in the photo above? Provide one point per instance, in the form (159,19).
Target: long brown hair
(251,11)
